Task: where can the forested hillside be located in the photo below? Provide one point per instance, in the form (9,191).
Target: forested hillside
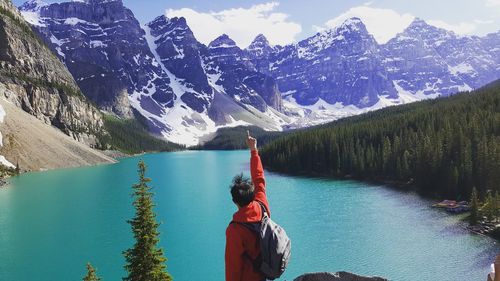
(130,136)
(234,138)
(442,147)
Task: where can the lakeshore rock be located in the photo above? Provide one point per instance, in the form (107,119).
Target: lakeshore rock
(337,276)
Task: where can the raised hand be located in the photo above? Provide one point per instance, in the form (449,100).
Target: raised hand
(251,142)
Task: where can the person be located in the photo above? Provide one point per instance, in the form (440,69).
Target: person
(242,245)
(493,276)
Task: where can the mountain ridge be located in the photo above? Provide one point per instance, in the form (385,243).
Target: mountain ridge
(335,73)
(37,89)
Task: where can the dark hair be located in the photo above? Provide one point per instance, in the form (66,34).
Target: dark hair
(242,190)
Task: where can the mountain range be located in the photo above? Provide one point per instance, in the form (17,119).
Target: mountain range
(184,90)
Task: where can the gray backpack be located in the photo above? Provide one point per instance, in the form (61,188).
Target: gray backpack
(275,246)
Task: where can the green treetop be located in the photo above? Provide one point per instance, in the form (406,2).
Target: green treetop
(489,207)
(474,207)
(91,274)
(145,261)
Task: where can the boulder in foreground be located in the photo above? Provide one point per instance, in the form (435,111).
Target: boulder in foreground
(337,276)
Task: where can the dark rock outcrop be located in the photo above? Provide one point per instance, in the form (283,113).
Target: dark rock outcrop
(338,276)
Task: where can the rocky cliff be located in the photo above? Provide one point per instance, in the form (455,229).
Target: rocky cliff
(34,79)
(158,72)
(104,48)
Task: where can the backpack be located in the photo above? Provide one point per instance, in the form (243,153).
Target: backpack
(275,246)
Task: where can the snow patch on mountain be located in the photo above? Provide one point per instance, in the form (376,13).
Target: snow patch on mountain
(323,112)
(3,160)
(185,125)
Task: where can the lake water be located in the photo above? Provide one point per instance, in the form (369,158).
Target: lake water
(53,223)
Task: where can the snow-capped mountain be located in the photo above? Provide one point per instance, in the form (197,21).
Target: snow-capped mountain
(337,65)
(179,86)
(185,90)
(105,49)
(217,85)
(415,65)
(344,71)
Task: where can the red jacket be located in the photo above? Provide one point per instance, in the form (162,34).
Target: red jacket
(239,239)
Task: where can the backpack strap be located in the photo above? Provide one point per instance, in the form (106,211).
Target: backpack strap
(264,209)
(254,228)
(249,225)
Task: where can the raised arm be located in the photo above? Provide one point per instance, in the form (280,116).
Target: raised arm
(257,171)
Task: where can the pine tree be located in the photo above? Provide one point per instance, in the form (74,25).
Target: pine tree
(474,207)
(497,205)
(91,274)
(489,206)
(145,261)
(18,170)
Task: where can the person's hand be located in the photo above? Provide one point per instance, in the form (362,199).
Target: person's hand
(251,142)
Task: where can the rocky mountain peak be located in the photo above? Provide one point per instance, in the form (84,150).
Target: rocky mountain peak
(418,22)
(259,42)
(419,26)
(175,22)
(32,5)
(259,47)
(96,2)
(352,25)
(222,41)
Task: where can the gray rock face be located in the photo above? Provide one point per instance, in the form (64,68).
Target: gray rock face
(337,65)
(105,49)
(466,56)
(346,65)
(338,276)
(33,78)
(428,60)
(160,70)
(179,53)
(238,75)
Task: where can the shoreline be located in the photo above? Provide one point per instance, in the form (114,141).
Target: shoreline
(116,155)
(398,186)
(391,184)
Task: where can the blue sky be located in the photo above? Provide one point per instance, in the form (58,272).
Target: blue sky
(292,20)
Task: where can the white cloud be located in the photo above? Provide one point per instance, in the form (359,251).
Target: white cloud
(492,3)
(478,21)
(241,24)
(383,24)
(462,28)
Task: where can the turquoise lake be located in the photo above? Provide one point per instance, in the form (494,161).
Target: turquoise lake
(52,223)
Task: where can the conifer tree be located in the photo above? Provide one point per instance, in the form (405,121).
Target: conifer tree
(496,199)
(442,147)
(145,260)
(91,274)
(474,207)
(489,206)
